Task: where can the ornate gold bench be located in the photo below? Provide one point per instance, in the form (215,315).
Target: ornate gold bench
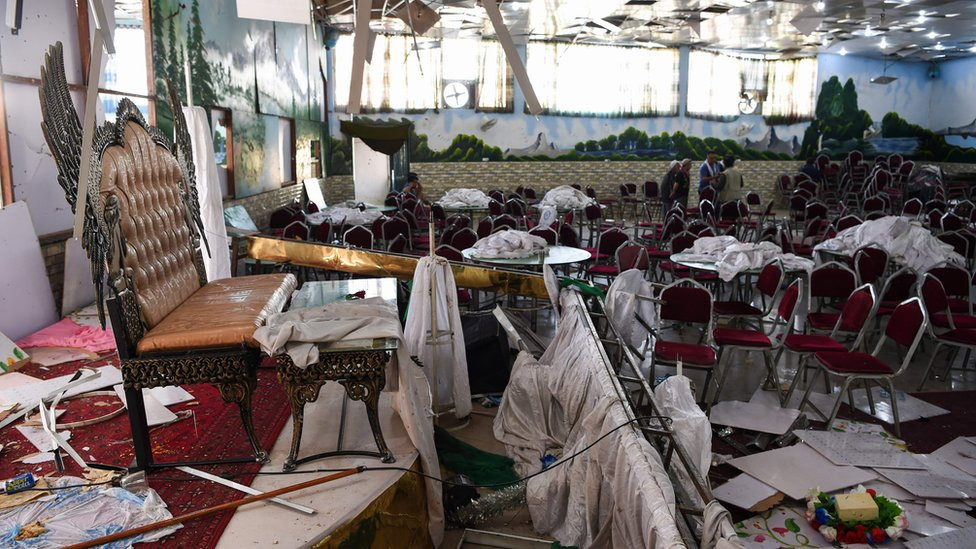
(142,232)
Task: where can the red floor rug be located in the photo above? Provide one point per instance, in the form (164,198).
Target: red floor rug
(213,432)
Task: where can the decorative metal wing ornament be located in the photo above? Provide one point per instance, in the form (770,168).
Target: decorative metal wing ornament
(102,236)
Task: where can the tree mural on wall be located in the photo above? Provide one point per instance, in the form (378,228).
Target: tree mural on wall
(202,81)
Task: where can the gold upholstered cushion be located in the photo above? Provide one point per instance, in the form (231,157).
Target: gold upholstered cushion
(224,313)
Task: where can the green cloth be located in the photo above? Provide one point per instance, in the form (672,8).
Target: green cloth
(585,287)
(480,466)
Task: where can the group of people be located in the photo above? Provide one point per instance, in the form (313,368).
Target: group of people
(722,175)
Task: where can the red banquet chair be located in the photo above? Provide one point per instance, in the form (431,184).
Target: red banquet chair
(956,282)
(767,287)
(935,299)
(937,306)
(686,302)
(906,327)
(856,313)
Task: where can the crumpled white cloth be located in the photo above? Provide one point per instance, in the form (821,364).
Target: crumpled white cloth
(907,242)
(617,494)
(464,198)
(691,427)
(623,306)
(732,257)
(565,197)
(337,214)
(299,333)
(509,244)
(449,361)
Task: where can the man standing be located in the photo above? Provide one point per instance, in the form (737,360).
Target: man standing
(667,184)
(709,171)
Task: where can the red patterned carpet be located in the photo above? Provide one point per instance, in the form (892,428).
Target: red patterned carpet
(215,432)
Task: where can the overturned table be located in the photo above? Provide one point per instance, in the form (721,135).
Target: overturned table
(359,365)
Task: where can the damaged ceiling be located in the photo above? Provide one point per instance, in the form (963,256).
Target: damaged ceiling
(901,29)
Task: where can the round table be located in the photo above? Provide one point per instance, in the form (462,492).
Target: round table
(554,255)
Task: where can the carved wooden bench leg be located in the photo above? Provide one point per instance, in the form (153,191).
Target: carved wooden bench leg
(240,392)
(299,394)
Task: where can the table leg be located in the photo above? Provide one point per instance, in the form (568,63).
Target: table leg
(299,394)
(368,391)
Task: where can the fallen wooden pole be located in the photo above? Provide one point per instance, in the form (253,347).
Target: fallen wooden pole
(211,510)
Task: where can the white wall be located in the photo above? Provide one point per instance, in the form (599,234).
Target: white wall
(33,168)
(370,173)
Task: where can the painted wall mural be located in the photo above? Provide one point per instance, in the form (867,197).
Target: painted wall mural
(906,116)
(259,70)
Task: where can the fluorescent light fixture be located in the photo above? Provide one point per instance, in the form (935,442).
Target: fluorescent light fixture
(939,46)
(952,15)
(883,79)
(932,35)
(843,51)
(884,43)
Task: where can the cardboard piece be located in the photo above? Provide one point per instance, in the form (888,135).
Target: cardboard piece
(753,416)
(237,217)
(744,491)
(418,16)
(860,450)
(943,512)
(26,301)
(52,356)
(11,356)
(924,483)
(797,469)
(40,438)
(962,537)
(960,453)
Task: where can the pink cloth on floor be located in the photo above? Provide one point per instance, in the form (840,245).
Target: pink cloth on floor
(68,333)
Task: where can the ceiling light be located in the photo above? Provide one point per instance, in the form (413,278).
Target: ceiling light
(819,6)
(921,17)
(769,21)
(843,51)
(932,35)
(939,46)
(952,15)
(918,29)
(884,43)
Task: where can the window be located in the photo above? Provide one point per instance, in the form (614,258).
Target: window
(792,90)
(714,85)
(126,72)
(581,79)
(223,140)
(394,79)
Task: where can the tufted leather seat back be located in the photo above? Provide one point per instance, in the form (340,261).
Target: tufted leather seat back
(146,179)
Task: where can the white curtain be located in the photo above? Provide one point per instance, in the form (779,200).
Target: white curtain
(714,85)
(494,79)
(446,358)
(791,89)
(217,262)
(584,79)
(393,78)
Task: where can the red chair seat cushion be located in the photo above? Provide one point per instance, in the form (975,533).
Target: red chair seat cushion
(463,296)
(690,353)
(941,320)
(595,255)
(812,343)
(654,253)
(705,276)
(735,308)
(603,270)
(740,338)
(852,363)
(803,249)
(822,321)
(959,305)
(960,335)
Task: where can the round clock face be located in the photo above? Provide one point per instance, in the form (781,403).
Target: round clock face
(456,95)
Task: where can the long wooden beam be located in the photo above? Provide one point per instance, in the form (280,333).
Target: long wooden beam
(373,263)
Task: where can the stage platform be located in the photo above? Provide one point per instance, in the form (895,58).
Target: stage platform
(360,511)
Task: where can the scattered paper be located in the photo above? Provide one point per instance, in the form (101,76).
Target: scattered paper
(949,540)
(923,483)
(40,439)
(15,379)
(753,416)
(28,394)
(860,450)
(39,457)
(956,517)
(797,469)
(170,395)
(960,453)
(744,491)
(156,413)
